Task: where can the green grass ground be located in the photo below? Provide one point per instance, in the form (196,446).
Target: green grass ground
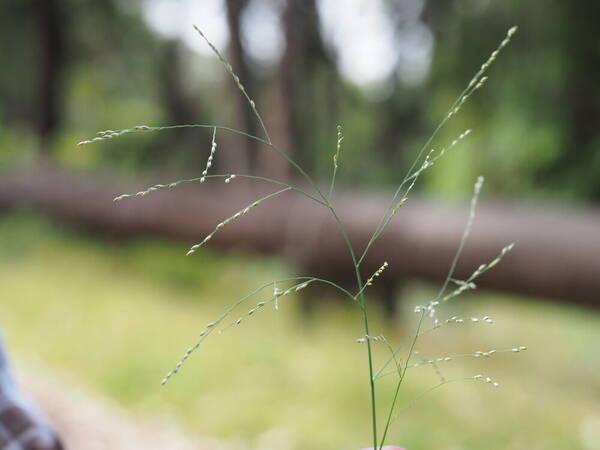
(115,316)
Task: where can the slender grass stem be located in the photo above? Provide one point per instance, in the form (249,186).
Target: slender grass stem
(332,183)
(173,184)
(464,237)
(143,128)
(427,391)
(399,384)
(213,325)
(340,138)
(364,309)
(237,215)
(237,81)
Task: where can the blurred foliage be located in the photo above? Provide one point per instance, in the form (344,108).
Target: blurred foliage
(113,318)
(535,122)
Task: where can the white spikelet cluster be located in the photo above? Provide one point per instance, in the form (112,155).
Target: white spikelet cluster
(468,284)
(377,273)
(202,335)
(462,287)
(480,83)
(277,293)
(426,165)
(229,69)
(480,377)
(213,149)
(211,326)
(340,138)
(229,178)
(485,267)
(237,215)
(443,151)
(220,225)
(432,361)
(156,187)
(364,339)
(458,320)
(102,135)
(185,357)
(479,80)
(109,134)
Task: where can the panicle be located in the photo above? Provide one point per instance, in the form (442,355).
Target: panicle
(377,273)
(213,149)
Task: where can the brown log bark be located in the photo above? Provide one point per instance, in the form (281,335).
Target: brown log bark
(557,253)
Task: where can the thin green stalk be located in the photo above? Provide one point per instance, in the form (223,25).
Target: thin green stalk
(363,304)
(198,179)
(371,380)
(427,391)
(235,216)
(213,325)
(465,236)
(410,353)
(109,134)
(391,358)
(237,81)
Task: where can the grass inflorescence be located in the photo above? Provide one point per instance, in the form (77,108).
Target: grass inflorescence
(401,355)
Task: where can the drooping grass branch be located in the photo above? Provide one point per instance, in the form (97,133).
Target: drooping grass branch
(476,83)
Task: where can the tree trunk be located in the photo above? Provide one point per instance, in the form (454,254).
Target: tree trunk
(246,160)
(51,24)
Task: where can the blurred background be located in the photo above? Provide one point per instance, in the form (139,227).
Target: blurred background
(98,301)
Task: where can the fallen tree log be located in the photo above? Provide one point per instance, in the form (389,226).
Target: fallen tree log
(557,253)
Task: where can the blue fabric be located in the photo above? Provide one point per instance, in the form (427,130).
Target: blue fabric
(22,424)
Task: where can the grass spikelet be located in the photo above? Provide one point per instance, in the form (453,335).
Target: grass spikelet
(239,84)
(377,273)
(212,326)
(227,177)
(479,80)
(213,149)
(277,294)
(338,149)
(370,281)
(486,380)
